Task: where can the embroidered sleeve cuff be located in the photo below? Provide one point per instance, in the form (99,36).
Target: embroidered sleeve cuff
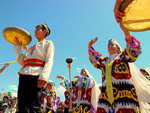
(134,43)
(92,50)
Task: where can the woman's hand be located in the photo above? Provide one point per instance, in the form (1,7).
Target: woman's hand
(92,42)
(117,13)
(77,76)
(59,76)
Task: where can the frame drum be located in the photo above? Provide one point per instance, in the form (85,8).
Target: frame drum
(10,33)
(137,15)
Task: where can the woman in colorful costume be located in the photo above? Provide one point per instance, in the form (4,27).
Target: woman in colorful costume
(86,92)
(141,84)
(118,92)
(69,93)
(49,98)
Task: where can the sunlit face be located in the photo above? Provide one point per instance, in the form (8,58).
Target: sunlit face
(5,100)
(83,73)
(39,33)
(112,48)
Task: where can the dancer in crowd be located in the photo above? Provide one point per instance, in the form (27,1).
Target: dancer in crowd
(12,108)
(49,98)
(36,67)
(86,92)
(68,93)
(141,84)
(118,92)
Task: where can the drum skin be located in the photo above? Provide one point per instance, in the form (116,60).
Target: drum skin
(10,33)
(137,15)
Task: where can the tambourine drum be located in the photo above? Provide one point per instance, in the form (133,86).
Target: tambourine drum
(10,33)
(137,15)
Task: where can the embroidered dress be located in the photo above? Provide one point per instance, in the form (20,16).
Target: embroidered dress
(69,93)
(48,100)
(82,94)
(118,94)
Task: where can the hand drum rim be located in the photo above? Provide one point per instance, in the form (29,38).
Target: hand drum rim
(135,25)
(10,33)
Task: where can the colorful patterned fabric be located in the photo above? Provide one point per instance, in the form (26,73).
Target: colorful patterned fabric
(81,94)
(48,99)
(122,95)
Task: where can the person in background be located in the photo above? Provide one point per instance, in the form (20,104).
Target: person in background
(69,93)
(86,92)
(12,108)
(5,108)
(6,99)
(49,98)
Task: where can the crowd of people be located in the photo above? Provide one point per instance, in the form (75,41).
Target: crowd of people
(8,105)
(49,101)
(81,97)
(123,85)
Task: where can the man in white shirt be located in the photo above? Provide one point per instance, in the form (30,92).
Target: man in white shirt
(36,67)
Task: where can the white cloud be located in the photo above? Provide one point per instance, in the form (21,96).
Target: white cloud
(74,58)
(11,87)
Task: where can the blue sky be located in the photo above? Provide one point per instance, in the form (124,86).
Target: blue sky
(73,24)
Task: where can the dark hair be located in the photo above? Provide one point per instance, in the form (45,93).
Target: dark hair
(44,27)
(6,97)
(13,101)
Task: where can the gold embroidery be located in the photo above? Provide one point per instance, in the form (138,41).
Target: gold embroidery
(130,55)
(81,110)
(121,68)
(109,87)
(121,94)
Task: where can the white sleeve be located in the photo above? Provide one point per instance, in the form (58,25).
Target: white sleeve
(20,57)
(48,62)
(18,50)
